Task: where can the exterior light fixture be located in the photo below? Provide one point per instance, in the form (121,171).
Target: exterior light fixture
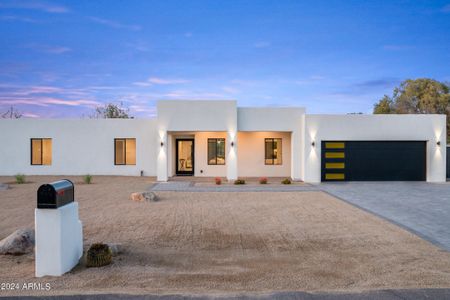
(232,144)
(313,144)
(162,144)
(438,143)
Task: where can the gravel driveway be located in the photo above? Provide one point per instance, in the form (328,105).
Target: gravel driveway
(420,207)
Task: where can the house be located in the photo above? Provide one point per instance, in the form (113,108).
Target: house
(217,138)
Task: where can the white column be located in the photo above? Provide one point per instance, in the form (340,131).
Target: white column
(161,163)
(231,158)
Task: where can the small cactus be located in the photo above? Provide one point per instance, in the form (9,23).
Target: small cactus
(98,255)
(286,181)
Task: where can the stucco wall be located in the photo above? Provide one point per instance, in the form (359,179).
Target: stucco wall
(430,128)
(251,153)
(79,146)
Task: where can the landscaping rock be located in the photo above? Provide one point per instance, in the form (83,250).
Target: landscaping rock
(116,249)
(19,242)
(3,186)
(144,196)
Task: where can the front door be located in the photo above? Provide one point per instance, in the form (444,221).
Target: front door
(184,157)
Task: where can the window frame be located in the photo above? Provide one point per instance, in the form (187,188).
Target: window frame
(42,151)
(215,147)
(124,152)
(266,140)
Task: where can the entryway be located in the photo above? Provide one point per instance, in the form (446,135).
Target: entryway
(184,157)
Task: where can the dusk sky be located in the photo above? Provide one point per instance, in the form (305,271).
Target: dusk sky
(60,59)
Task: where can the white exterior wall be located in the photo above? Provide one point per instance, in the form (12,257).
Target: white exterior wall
(430,128)
(251,155)
(195,116)
(79,147)
(285,119)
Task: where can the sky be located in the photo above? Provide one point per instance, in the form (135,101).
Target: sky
(61,59)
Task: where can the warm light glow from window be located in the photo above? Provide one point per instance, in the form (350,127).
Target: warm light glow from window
(41,151)
(130,151)
(273,152)
(125,151)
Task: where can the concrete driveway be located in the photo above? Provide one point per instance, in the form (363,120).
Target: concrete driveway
(420,207)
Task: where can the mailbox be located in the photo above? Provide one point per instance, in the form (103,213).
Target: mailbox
(55,194)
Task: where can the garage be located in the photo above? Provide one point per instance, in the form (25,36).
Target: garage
(373,161)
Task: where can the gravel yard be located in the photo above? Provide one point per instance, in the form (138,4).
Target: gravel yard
(220,242)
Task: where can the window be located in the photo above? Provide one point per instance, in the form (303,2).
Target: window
(124,151)
(41,151)
(273,151)
(216,151)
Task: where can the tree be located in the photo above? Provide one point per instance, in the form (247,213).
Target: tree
(112,111)
(12,113)
(417,96)
(384,106)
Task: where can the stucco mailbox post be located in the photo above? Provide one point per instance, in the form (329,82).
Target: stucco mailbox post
(59,232)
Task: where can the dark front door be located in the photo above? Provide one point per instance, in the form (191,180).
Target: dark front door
(184,157)
(373,160)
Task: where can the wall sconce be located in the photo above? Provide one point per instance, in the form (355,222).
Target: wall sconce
(162,144)
(438,143)
(313,144)
(232,144)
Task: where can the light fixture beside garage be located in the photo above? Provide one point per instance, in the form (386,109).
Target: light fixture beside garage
(232,144)
(313,144)
(438,143)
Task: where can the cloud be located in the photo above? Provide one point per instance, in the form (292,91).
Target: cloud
(377,83)
(35,5)
(229,89)
(114,24)
(159,81)
(49,49)
(139,46)
(313,79)
(30,115)
(46,101)
(261,45)
(396,47)
(10,18)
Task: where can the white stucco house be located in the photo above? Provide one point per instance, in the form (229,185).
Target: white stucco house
(217,138)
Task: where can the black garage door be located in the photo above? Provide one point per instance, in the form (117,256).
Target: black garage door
(373,160)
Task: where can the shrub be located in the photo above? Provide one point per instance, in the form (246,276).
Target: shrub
(98,255)
(263,180)
(286,181)
(87,179)
(239,181)
(218,180)
(20,178)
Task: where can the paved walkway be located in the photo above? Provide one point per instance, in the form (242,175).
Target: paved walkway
(417,294)
(420,207)
(187,186)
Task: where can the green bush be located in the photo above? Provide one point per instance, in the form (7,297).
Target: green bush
(87,179)
(20,178)
(239,181)
(286,181)
(98,255)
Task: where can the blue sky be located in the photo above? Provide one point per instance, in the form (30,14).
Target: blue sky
(63,58)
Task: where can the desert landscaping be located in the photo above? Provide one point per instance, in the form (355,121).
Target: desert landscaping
(224,242)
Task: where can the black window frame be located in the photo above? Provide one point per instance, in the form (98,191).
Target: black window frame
(42,151)
(125,152)
(268,140)
(215,147)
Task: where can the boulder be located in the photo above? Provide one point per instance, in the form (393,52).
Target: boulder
(19,242)
(3,186)
(115,248)
(144,196)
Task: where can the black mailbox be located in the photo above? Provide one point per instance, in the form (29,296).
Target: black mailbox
(55,194)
